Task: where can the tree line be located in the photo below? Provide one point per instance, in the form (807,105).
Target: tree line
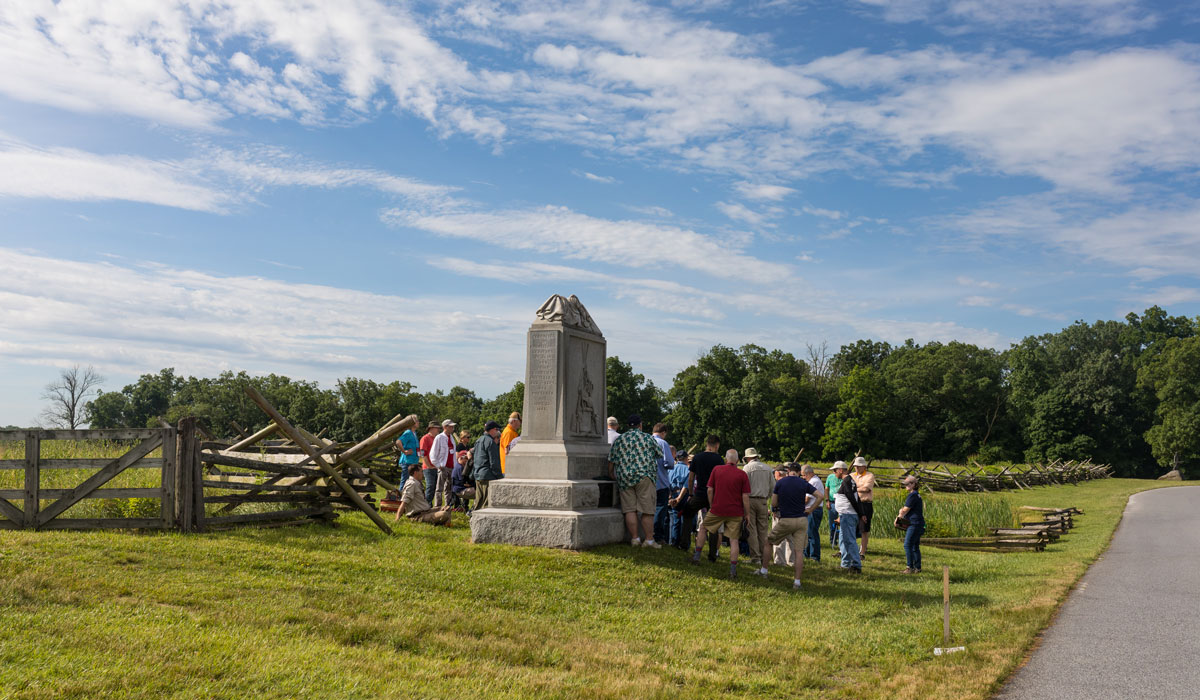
(1125,393)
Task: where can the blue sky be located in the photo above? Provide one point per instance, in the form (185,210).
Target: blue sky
(390,190)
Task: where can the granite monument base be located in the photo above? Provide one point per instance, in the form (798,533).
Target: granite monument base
(562,529)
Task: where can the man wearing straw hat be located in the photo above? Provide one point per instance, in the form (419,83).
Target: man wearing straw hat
(758,518)
(865,482)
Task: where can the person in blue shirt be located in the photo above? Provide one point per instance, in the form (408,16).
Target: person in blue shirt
(662,483)
(914,512)
(681,527)
(408,446)
(790,502)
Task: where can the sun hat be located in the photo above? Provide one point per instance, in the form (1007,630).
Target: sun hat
(448,422)
(752,453)
(840,465)
(433,424)
(860,462)
(489,425)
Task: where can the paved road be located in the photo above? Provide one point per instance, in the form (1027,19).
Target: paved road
(1131,629)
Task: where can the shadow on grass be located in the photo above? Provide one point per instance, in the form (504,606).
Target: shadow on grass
(825,578)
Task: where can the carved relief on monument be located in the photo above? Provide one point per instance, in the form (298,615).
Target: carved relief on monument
(585,420)
(586,388)
(569,311)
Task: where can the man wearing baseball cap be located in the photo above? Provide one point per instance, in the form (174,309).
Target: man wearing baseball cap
(833,482)
(487,462)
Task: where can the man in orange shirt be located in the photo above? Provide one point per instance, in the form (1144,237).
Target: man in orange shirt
(511,431)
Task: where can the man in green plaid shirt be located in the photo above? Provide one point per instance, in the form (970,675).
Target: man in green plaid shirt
(633,462)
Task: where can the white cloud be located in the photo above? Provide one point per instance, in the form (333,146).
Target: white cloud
(562,58)
(1086,122)
(1099,17)
(70,174)
(1147,240)
(561,231)
(655,211)
(1170,295)
(825,213)
(60,312)
(594,177)
(201,183)
(774,193)
(170,62)
(740,212)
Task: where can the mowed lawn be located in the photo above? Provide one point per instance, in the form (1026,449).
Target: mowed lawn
(346,612)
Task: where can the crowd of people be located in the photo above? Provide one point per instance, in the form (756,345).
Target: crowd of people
(772,514)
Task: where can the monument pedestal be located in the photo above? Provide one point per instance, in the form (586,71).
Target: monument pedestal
(555,492)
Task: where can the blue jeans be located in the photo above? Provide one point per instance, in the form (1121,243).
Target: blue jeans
(430,484)
(813,549)
(403,474)
(662,514)
(833,528)
(849,530)
(912,546)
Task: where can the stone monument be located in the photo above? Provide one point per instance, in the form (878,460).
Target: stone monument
(555,491)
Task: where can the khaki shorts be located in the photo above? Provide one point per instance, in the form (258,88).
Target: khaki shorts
(639,499)
(794,530)
(432,517)
(732,523)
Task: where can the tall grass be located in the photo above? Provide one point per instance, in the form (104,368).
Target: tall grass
(946,514)
(70,478)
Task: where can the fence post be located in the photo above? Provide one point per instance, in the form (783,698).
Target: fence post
(185,477)
(170,513)
(33,479)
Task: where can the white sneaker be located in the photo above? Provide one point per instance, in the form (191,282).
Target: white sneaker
(762,572)
(635,542)
(652,544)
(796,585)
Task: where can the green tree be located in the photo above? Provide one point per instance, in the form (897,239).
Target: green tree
(501,407)
(946,400)
(629,392)
(1174,378)
(749,397)
(860,420)
(860,353)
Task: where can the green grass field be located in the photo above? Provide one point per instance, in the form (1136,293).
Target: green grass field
(347,612)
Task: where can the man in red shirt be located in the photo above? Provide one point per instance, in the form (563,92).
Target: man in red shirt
(426,452)
(729,501)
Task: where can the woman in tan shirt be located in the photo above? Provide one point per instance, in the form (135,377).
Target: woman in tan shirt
(865,483)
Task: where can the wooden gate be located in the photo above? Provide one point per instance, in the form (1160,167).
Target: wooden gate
(36,517)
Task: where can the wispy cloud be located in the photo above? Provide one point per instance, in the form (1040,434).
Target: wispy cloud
(563,232)
(71,174)
(594,177)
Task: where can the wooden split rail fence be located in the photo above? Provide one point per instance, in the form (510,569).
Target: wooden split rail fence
(967,479)
(1031,536)
(203,484)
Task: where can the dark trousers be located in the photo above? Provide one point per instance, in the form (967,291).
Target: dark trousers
(912,546)
(662,515)
(813,549)
(695,505)
(834,536)
(682,527)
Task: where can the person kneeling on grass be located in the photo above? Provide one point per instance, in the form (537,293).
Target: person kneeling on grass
(729,499)
(791,506)
(414,504)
